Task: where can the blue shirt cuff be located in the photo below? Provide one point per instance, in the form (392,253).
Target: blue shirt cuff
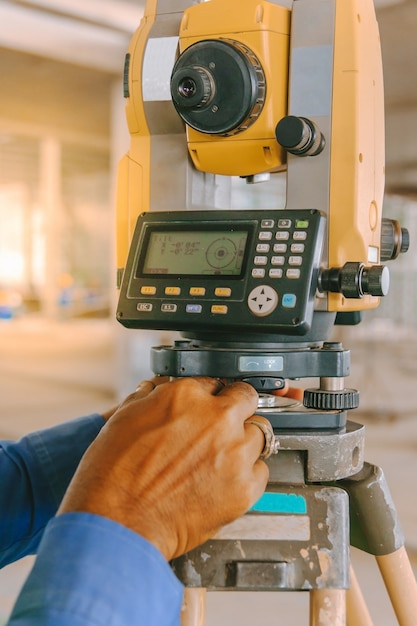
(35,473)
(91,571)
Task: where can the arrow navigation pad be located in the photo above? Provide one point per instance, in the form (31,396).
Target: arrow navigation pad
(262,300)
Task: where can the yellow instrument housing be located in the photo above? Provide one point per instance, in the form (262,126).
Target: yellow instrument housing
(134,172)
(349,174)
(357,171)
(265,29)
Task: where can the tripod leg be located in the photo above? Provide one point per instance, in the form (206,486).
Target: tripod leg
(375,528)
(193,612)
(401,585)
(328,607)
(357,611)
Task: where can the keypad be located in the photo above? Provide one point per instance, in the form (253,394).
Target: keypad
(289,244)
(281,261)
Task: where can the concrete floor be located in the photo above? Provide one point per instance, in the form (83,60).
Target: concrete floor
(52,372)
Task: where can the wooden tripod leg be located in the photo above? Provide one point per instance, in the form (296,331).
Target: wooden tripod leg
(193,611)
(401,585)
(356,609)
(328,607)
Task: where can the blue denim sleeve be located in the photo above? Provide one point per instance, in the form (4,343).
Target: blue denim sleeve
(35,473)
(91,571)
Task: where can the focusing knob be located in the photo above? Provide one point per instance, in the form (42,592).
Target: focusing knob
(331,400)
(394,239)
(299,136)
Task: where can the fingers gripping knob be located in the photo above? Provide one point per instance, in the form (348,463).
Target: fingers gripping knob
(271,442)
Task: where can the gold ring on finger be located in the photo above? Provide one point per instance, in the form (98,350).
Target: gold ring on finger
(271,442)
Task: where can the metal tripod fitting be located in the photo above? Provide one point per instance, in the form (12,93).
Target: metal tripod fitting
(375,526)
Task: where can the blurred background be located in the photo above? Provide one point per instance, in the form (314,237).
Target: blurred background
(62,133)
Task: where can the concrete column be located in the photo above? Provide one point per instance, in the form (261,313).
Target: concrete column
(50,201)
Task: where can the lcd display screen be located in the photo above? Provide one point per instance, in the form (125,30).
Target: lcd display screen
(194,252)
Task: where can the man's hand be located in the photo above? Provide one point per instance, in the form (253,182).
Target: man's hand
(174,463)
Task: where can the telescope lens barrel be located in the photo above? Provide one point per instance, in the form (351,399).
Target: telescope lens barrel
(218,87)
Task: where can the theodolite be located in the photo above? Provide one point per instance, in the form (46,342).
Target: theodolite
(254,89)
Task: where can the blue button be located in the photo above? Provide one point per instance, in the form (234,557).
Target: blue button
(194,308)
(289,300)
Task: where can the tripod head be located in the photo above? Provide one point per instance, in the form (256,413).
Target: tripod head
(225,88)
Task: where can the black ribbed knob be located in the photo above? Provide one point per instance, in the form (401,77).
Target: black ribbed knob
(355,280)
(394,239)
(331,400)
(375,280)
(299,136)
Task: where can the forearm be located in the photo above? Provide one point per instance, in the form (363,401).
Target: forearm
(93,571)
(35,473)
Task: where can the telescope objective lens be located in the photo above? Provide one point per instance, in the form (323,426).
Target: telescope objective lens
(187,87)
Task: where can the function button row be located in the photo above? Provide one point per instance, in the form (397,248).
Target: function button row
(291,273)
(280,235)
(282,223)
(278,260)
(285,223)
(219,292)
(295,248)
(171,307)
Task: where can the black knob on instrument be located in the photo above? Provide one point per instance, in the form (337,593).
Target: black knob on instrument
(299,136)
(331,400)
(355,280)
(394,239)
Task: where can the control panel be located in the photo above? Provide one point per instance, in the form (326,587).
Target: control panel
(249,270)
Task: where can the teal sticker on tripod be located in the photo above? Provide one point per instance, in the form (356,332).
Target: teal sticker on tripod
(281,503)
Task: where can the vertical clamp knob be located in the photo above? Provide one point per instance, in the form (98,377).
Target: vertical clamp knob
(299,136)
